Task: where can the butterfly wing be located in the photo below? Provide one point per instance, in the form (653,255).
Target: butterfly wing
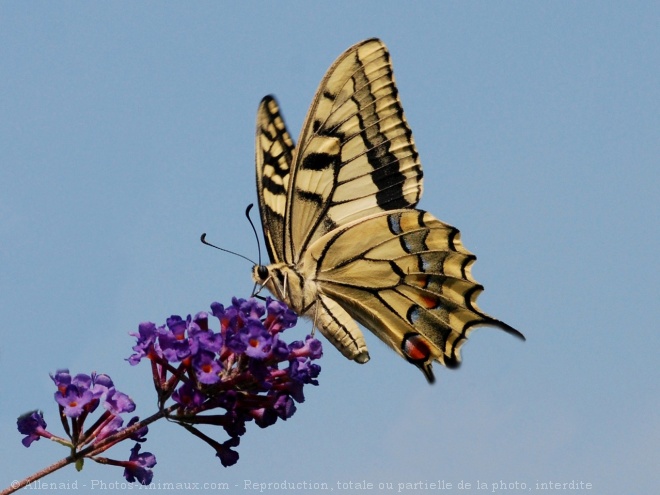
(274,156)
(405,275)
(340,225)
(356,155)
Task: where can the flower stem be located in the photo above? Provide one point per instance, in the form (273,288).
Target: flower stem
(90,451)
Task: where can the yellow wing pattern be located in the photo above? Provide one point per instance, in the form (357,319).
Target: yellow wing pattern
(406,276)
(345,240)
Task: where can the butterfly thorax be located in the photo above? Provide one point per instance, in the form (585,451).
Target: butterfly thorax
(295,285)
(287,284)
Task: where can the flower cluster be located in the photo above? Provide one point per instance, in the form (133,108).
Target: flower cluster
(77,397)
(243,372)
(236,370)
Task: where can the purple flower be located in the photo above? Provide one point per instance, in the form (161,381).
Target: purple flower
(301,370)
(202,320)
(140,434)
(82,381)
(284,406)
(227,456)
(235,368)
(80,395)
(62,379)
(189,397)
(146,337)
(310,348)
(242,371)
(118,402)
(280,350)
(77,397)
(138,467)
(110,428)
(101,381)
(250,308)
(294,388)
(280,317)
(218,310)
(32,425)
(206,340)
(264,417)
(235,426)
(207,369)
(257,340)
(86,383)
(173,342)
(230,317)
(73,400)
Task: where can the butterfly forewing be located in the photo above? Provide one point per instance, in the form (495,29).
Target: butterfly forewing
(274,157)
(356,155)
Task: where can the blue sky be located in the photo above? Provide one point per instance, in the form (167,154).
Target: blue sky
(127,130)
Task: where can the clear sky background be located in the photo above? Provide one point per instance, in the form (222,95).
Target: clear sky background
(127,130)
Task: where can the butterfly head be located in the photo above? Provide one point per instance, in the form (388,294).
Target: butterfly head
(287,285)
(260,274)
(274,278)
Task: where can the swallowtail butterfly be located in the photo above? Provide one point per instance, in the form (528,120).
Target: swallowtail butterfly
(345,240)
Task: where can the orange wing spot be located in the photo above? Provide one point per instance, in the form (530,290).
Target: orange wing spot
(429,301)
(421,281)
(416,348)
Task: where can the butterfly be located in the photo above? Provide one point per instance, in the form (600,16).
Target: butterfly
(344,237)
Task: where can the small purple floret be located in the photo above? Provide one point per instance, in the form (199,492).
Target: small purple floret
(257,340)
(207,368)
(73,400)
(146,336)
(110,428)
(138,467)
(140,434)
(62,379)
(118,402)
(32,425)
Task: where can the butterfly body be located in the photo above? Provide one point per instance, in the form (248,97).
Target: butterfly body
(343,234)
(298,287)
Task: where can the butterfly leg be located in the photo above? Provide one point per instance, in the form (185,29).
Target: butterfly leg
(285,285)
(316,319)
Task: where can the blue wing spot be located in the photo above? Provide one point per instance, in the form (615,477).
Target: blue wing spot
(413,314)
(394,223)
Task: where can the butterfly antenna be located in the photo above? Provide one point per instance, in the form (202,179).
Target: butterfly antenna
(204,241)
(256,236)
(255,292)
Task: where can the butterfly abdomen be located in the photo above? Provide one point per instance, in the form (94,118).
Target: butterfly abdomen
(300,292)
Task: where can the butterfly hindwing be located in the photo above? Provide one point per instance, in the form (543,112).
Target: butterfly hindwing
(405,275)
